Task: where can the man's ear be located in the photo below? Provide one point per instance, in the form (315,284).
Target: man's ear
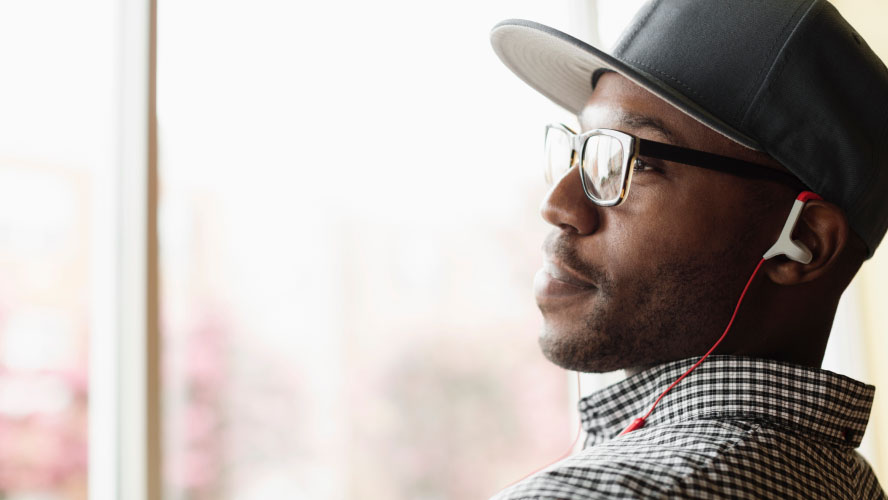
(823,229)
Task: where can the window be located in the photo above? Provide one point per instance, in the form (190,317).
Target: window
(348,248)
(56,156)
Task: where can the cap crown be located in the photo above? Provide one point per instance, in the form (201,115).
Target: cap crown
(789,77)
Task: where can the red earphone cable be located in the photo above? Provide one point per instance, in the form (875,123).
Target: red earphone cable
(639,422)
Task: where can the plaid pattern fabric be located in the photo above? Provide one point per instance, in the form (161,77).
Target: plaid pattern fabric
(734,428)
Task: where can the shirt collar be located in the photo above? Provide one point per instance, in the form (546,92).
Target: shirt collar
(819,403)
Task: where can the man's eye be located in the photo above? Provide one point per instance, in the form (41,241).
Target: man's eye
(643,166)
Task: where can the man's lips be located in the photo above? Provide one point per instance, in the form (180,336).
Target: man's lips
(555,280)
(560,272)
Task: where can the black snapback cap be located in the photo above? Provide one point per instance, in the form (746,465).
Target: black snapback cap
(788,77)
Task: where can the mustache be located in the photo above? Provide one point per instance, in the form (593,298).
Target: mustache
(562,247)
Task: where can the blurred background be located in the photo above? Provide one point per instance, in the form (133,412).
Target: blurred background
(275,249)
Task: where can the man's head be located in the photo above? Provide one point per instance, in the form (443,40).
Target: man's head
(666,266)
(657,277)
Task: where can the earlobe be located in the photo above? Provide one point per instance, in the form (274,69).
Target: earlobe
(823,230)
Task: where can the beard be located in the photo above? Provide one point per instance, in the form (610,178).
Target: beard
(677,310)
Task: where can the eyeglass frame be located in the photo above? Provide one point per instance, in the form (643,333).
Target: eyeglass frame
(638,147)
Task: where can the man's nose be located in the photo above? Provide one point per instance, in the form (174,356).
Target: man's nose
(567,207)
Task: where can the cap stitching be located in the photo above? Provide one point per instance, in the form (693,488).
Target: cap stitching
(762,88)
(750,94)
(624,40)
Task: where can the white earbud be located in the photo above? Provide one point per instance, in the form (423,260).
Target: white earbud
(785,245)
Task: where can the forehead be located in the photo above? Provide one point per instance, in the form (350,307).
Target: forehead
(618,103)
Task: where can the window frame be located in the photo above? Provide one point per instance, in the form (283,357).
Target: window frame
(125,434)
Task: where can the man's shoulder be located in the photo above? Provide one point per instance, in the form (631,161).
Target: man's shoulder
(727,459)
(643,464)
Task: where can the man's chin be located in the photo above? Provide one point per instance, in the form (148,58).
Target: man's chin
(588,354)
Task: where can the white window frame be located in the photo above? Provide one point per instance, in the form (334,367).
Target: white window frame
(124,381)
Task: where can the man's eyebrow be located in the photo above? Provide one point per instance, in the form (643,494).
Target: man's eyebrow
(635,120)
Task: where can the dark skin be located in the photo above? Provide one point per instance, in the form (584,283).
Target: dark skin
(657,277)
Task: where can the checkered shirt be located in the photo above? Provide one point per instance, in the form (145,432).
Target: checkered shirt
(734,428)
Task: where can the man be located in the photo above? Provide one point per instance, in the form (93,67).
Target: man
(697,135)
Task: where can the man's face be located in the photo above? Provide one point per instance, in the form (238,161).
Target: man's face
(655,278)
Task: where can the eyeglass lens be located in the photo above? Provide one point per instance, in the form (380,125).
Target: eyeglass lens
(603,168)
(602,163)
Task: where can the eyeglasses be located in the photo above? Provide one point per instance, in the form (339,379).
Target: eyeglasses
(604,157)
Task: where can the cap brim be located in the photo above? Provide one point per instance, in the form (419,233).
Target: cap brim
(560,67)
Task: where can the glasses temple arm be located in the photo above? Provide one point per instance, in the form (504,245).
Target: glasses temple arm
(713,161)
